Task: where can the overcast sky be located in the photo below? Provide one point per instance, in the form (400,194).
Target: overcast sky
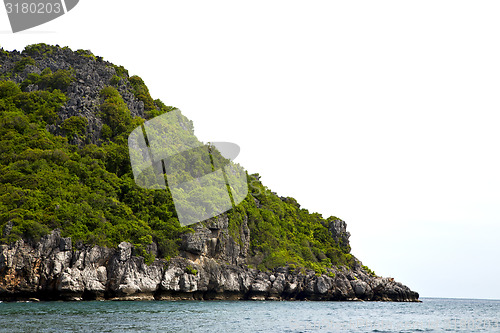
(383,113)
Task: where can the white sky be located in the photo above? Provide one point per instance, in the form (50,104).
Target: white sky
(383,113)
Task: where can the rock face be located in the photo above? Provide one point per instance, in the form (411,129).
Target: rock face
(338,230)
(91,74)
(211,266)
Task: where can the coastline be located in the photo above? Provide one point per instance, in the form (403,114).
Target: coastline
(52,270)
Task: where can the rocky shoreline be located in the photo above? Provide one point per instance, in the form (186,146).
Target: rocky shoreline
(54,269)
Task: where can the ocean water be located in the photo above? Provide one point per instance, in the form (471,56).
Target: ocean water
(432,315)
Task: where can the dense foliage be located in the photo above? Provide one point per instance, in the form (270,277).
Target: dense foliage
(46,183)
(89,193)
(283,233)
(47,80)
(141,92)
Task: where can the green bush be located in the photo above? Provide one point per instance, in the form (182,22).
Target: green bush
(59,80)
(120,71)
(114,111)
(190,270)
(160,109)
(8,89)
(4,53)
(106,132)
(21,64)
(40,105)
(141,92)
(39,49)
(86,54)
(115,80)
(74,125)
(368,270)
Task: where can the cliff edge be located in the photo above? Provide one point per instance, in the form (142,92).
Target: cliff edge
(211,267)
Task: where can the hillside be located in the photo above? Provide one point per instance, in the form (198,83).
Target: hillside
(75,225)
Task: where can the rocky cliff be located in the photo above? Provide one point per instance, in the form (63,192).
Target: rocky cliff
(211,266)
(91,75)
(214,262)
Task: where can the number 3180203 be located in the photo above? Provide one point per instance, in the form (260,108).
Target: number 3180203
(34,8)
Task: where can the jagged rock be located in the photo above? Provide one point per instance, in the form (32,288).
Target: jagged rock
(322,285)
(49,269)
(338,230)
(7,229)
(361,289)
(124,251)
(91,76)
(65,244)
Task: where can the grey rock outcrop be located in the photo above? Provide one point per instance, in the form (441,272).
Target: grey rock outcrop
(338,230)
(51,269)
(91,75)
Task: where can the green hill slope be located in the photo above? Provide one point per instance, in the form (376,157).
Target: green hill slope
(64,121)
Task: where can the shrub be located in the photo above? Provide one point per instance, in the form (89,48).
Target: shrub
(29,229)
(368,270)
(86,54)
(115,80)
(41,105)
(106,132)
(190,270)
(121,71)
(8,89)
(74,125)
(21,64)
(141,92)
(14,120)
(60,80)
(40,48)
(114,111)
(160,109)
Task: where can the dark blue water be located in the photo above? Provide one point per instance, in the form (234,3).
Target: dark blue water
(433,315)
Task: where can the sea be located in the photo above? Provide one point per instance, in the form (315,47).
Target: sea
(431,315)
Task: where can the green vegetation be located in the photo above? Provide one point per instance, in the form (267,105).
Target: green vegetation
(160,109)
(368,270)
(190,270)
(38,106)
(60,80)
(115,80)
(283,233)
(141,92)
(86,53)
(39,49)
(114,111)
(121,71)
(89,192)
(3,52)
(21,64)
(74,126)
